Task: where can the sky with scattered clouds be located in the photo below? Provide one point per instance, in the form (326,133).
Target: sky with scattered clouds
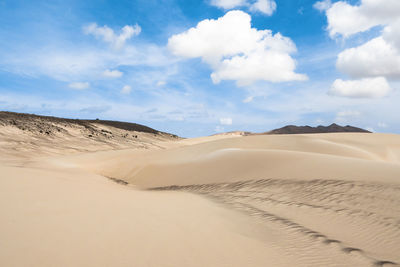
(199,67)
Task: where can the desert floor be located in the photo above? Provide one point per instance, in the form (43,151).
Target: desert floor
(264,200)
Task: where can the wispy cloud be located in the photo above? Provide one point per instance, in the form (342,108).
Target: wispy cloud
(322,5)
(79,85)
(347,116)
(126,89)
(81,61)
(108,35)
(266,7)
(95,109)
(112,73)
(248,99)
(225,121)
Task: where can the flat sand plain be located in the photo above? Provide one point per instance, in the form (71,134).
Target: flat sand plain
(265,200)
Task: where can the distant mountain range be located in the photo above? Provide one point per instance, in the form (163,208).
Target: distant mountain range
(333,128)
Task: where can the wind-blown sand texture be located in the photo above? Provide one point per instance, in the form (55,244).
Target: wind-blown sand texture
(265,200)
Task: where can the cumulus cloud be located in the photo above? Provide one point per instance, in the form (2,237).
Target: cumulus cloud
(109,36)
(266,7)
(236,51)
(112,73)
(391,34)
(126,89)
(345,19)
(363,88)
(377,58)
(225,121)
(79,85)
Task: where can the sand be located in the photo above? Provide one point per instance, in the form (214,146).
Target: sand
(227,200)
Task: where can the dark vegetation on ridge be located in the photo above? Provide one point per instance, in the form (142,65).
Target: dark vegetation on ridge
(27,121)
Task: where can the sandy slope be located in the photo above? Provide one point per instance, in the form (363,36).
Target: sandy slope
(371,157)
(78,219)
(30,136)
(298,200)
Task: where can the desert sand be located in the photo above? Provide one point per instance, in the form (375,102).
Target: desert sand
(225,200)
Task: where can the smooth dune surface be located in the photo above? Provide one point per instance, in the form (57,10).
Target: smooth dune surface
(264,200)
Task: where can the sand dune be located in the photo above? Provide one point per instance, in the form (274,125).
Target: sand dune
(233,200)
(327,156)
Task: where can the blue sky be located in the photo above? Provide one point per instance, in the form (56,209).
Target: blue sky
(75,59)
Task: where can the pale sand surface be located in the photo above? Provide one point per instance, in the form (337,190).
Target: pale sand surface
(266,200)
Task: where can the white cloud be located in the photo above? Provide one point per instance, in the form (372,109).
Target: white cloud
(109,36)
(225,121)
(228,4)
(126,89)
(266,7)
(391,34)
(79,85)
(374,58)
(248,99)
(236,51)
(161,83)
(112,73)
(378,57)
(345,19)
(363,88)
(323,5)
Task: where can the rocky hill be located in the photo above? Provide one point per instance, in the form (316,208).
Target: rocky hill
(333,128)
(47,135)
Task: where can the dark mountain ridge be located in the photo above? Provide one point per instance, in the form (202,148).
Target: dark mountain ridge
(333,128)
